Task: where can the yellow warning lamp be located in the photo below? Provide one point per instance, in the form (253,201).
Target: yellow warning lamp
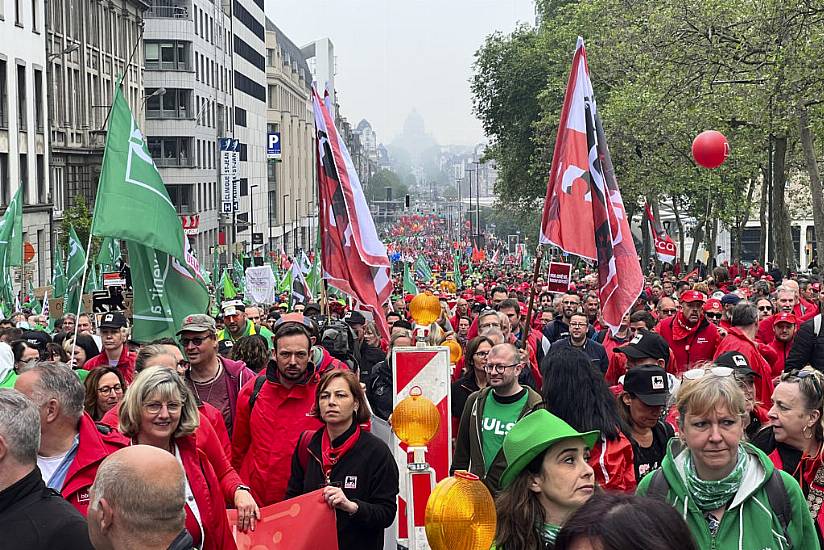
(460,514)
(425,308)
(455,351)
(416,419)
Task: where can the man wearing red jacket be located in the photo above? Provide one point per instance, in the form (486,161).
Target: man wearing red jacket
(690,336)
(72,446)
(784,329)
(272,412)
(741,338)
(115,351)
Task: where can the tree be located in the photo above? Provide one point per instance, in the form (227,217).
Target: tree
(380,181)
(78,215)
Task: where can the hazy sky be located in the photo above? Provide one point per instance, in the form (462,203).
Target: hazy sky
(396,55)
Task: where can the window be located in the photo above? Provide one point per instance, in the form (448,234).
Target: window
(4,95)
(24,177)
(21,98)
(167,56)
(38,100)
(244,187)
(242,152)
(271,56)
(35,13)
(248,20)
(173,104)
(17,16)
(40,179)
(249,53)
(170,151)
(240,117)
(245,84)
(181,197)
(5,191)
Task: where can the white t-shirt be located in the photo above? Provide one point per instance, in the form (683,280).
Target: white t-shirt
(49,464)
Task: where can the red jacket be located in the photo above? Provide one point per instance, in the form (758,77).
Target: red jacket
(614,464)
(736,340)
(95,445)
(697,346)
(125,364)
(766,334)
(779,350)
(208,496)
(265,437)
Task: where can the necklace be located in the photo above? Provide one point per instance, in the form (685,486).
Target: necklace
(210,382)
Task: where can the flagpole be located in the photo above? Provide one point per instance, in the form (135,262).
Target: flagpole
(82,286)
(535,273)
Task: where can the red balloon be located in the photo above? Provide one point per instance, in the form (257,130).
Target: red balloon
(710,149)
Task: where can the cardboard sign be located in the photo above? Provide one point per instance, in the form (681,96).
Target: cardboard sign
(301,523)
(114,278)
(559,278)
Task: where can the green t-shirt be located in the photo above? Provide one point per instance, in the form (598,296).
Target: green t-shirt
(500,414)
(8,381)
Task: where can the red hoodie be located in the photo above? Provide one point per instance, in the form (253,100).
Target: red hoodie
(689,345)
(736,340)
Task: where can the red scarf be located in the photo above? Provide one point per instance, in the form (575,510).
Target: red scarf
(681,330)
(331,455)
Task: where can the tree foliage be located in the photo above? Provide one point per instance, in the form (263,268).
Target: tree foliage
(663,71)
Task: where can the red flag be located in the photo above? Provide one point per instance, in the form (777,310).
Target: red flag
(688,276)
(353,258)
(664,247)
(302,523)
(583,212)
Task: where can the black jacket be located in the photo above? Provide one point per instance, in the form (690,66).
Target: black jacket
(380,390)
(597,353)
(368,475)
(34,517)
(808,347)
(558,329)
(462,388)
(369,358)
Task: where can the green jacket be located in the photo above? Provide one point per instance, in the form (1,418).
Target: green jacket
(469,451)
(9,380)
(250,329)
(748,523)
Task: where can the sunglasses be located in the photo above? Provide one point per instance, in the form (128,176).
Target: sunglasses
(714,315)
(696,374)
(197,341)
(802,374)
(765,308)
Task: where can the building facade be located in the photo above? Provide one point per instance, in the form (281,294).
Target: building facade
(188,106)
(24,149)
(291,179)
(322,63)
(89,46)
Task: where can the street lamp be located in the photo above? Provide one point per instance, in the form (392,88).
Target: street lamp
(283,225)
(64,51)
(297,226)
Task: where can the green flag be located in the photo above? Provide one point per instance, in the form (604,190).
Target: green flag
(409,286)
(109,253)
(285,284)
(456,272)
(92,283)
(58,273)
(165,292)
(227,286)
(76,261)
(215,264)
(422,269)
(132,202)
(313,279)
(11,232)
(240,274)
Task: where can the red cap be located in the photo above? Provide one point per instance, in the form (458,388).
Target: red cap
(737,281)
(785,317)
(480,300)
(713,305)
(816,286)
(693,296)
(408,298)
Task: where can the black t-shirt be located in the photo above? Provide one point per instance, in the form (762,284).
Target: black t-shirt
(649,458)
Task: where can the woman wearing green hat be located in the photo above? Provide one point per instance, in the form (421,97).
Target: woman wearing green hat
(546,479)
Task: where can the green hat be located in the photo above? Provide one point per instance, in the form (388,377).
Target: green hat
(531,435)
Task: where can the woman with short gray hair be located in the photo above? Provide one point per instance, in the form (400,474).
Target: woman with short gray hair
(160,410)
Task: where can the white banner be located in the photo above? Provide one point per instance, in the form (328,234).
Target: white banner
(260,284)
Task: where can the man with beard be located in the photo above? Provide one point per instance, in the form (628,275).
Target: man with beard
(272,414)
(578,338)
(239,325)
(690,336)
(559,327)
(784,329)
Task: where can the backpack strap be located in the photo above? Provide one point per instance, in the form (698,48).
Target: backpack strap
(259,381)
(780,503)
(817,325)
(303,448)
(658,485)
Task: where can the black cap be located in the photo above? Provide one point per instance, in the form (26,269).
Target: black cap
(225,346)
(730,299)
(649,383)
(37,338)
(355,318)
(736,361)
(646,344)
(311,309)
(112,319)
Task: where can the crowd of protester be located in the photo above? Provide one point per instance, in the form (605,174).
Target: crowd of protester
(708,396)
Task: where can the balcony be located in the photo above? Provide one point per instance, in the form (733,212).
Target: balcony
(167,12)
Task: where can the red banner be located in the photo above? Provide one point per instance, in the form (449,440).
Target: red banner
(301,523)
(664,247)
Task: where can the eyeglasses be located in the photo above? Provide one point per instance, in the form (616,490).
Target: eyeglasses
(499,369)
(197,341)
(106,390)
(578,324)
(695,374)
(802,374)
(481,353)
(154,407)
(669,311)
(765,308)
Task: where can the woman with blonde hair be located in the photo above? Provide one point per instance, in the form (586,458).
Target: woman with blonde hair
(728,491)
(159,410)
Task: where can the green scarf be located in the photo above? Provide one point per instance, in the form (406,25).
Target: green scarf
(712,495)
(549,533)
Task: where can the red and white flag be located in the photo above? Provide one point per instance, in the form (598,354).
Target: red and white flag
(353,258)
(664,247)
(583,212)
